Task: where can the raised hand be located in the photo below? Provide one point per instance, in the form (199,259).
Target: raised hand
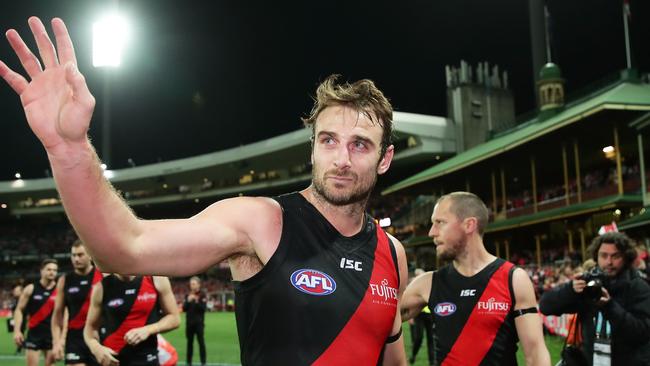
(57,102)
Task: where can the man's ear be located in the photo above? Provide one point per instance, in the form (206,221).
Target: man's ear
(385,161)
(470,225)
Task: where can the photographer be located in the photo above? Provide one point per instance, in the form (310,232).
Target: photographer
(612,303)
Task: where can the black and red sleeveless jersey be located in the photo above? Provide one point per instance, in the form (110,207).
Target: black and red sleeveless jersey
(40,307)
(473,317)
(127,305)
(77,291)
(322,298)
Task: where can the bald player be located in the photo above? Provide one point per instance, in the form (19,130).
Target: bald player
(481,304)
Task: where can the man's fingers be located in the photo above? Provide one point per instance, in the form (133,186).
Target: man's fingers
(16,81)
(27,58)
(63,42)
(45,46)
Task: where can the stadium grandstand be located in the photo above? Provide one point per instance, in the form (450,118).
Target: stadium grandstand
(33,225)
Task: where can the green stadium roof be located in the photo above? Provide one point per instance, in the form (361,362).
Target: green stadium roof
(636,221)
(550,71)
(596,205)
(625,96)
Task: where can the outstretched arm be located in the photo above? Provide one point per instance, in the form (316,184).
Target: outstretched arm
(416,296)
(529,326)
(58,107)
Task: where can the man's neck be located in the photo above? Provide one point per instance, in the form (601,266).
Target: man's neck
(124,278)
(348,219)
(46,283)
(84,271)
(473,259)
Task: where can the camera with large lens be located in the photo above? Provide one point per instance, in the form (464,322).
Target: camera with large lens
(596,279)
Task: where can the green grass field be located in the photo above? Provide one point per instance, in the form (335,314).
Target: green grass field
(222,347)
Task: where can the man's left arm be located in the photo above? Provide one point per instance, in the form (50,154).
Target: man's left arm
(394,353)
(635,320)
(529,325)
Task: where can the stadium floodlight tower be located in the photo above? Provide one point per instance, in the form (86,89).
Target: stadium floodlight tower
(110,34)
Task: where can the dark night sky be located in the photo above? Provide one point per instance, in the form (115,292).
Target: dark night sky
(252,65)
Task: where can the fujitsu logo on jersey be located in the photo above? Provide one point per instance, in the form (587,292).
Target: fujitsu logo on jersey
(147,296)
(38,297)
(73,290)
(313,282)
(493,306)
(383,290)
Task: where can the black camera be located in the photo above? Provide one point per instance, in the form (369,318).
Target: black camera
(596,279)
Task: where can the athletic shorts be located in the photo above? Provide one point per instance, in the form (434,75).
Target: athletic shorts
(38,340)
(76,350)
(139,359)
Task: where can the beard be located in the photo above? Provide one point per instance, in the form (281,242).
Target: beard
(358,193)
(450,251)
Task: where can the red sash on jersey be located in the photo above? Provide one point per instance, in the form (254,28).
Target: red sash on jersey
(357,341)
(477,336)
(45,311)
(116,341)
(79,320)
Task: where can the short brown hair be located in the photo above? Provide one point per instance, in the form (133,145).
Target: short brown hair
(361,95)
(47,261)
(622,242)
(466,204)
(78,243)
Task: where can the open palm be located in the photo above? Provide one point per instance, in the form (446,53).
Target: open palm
(57,103)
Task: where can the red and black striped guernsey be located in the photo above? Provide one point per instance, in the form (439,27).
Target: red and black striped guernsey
(77,291)
(39,308)
(322,298)
(473,318)
(127,305)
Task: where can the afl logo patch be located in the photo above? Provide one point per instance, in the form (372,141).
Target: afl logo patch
(445,309)
(313,282)
(115,303)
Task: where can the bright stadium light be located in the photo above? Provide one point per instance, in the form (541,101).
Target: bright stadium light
(17,175)
(109,37)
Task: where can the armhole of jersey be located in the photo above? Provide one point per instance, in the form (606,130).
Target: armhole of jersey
(433,282)
(511,288)
(393,253)
(276,259)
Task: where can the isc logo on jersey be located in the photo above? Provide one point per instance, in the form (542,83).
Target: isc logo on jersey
(445,309)
(313,282)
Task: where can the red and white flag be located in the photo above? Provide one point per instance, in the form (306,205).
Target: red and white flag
(608,228)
